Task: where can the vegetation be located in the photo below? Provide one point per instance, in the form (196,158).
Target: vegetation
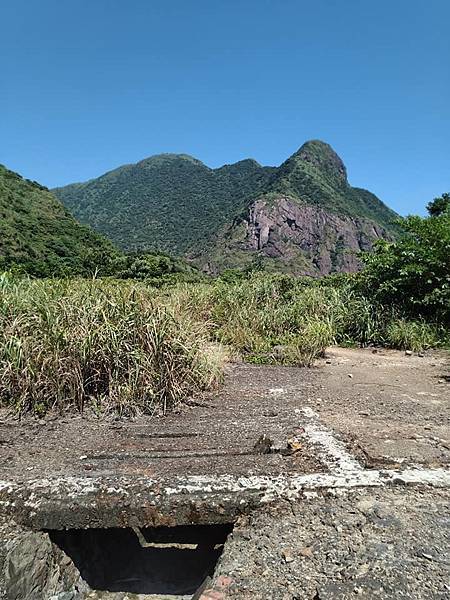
(131,348)
(439,206)
(413,274)
(167,203)
(176,204)
(283,319)
(156,269)
(110,346)
(38,236)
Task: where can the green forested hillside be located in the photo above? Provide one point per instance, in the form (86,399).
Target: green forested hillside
(40,237)
(170,202)
(316,175)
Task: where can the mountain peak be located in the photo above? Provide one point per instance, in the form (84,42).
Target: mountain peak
(158,159)
(321,155)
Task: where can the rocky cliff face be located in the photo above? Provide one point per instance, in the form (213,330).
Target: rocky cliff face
(304,239)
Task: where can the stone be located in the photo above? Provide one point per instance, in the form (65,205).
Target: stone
(212,595)
(287,555)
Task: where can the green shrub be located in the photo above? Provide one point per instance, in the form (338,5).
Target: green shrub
(413,274)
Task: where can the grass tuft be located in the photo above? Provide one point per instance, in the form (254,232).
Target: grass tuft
(412,335)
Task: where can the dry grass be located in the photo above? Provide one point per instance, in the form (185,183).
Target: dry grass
(111,346)
(129,348)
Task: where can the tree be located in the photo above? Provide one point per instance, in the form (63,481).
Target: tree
(439,205)
(414,272)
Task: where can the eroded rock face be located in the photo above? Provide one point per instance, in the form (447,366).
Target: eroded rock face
(307,239)
(31,566)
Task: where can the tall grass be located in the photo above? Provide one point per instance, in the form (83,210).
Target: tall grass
(283,319)
(413,335)
(271,319)
(113,347)
(130,348)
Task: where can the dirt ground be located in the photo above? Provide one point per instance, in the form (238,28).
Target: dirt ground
(346,464)
(393,409)
(390,408)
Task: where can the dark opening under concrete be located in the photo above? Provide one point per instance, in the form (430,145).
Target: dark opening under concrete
(161,560)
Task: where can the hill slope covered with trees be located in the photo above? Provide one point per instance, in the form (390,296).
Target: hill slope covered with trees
(39,236)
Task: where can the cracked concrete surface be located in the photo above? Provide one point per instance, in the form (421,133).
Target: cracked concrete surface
(358,506)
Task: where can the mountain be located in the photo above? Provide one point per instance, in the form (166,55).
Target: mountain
(170,202)
(301,217)
(308,221)
(40,237)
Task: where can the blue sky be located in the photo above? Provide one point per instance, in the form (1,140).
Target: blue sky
(88,85)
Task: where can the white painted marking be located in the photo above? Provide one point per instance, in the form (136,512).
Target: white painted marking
(331,451)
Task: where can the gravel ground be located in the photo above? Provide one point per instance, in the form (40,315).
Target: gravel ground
(390,543)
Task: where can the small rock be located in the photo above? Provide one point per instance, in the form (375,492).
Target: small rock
(328,362)
(83,457)
(421,354)
(224,582)
(428,556)
(287,556)
(350,375)
(408,352)
(276,391)
(270,414)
